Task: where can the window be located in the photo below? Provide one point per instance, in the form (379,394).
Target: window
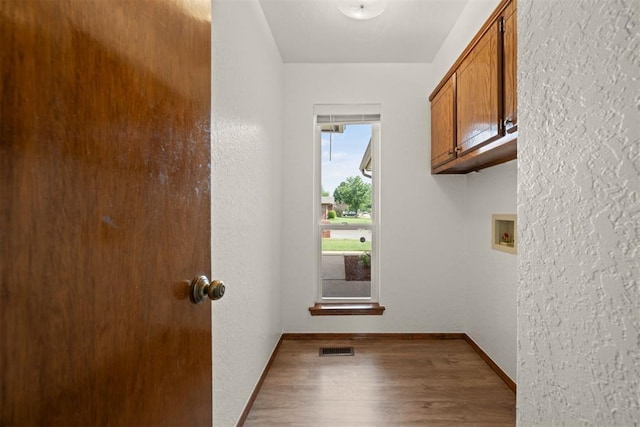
(347,147)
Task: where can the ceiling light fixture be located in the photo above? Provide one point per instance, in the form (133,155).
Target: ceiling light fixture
(362,9)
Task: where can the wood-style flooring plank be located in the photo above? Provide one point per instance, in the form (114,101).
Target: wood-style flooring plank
(387,382)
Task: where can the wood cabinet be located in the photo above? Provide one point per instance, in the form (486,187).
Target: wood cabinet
(474,108)
(443,137)
(477,95)
(510,55)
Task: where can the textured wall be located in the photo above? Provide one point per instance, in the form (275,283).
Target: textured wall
(579,212)
(246,199)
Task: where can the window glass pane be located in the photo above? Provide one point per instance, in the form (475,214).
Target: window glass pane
(346,174)
(346,210)
(346,263)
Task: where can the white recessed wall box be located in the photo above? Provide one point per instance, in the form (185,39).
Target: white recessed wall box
(503,233)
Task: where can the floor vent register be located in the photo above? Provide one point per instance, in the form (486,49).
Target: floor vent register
(336,351)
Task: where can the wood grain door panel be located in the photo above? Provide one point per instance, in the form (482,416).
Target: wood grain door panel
(443,139)
(477,94)
(104,213)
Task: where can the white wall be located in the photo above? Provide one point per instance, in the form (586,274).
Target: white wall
(472,17)
(246,198)
(421,228)
(490,278)
(491,281)
(579,211)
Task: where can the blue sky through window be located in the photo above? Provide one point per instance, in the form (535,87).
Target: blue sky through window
(346,154)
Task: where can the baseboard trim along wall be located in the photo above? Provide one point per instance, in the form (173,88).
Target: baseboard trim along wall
(256,390)
(507,380)
(363,336)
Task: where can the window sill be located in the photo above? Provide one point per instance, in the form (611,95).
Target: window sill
(346,309)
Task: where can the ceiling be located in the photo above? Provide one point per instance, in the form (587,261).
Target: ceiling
(315,31)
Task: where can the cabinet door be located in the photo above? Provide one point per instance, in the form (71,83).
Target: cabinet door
(443,110)
(510,71)
(478,112)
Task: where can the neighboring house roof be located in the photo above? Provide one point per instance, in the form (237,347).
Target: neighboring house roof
(328,200)
(365,164)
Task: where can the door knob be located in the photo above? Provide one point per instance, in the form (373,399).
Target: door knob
(201,288)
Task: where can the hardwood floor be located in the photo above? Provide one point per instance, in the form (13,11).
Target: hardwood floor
(388,382)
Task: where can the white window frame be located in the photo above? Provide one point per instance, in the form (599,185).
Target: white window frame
(336,110)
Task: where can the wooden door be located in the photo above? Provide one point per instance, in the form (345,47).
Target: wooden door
(443,138)
(510,36)
(104,213)
(478,94)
